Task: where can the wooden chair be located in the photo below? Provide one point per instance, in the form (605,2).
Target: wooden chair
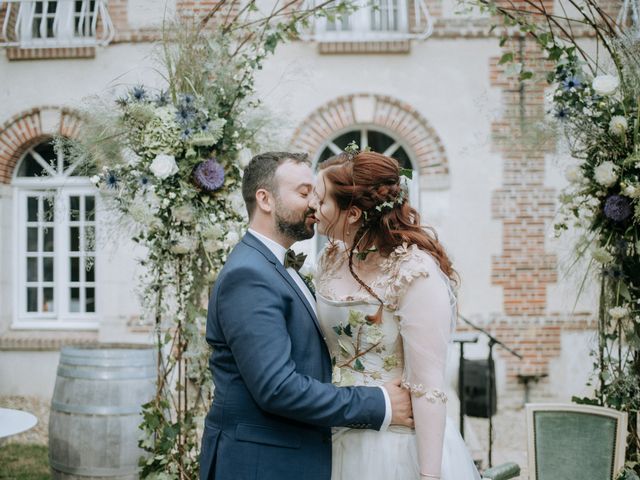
(567,441)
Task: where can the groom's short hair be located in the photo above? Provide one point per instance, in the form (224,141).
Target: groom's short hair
(261,173)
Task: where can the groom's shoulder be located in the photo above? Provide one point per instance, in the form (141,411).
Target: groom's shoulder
(245,257)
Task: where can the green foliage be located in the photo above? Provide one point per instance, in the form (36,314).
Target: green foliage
(24,462)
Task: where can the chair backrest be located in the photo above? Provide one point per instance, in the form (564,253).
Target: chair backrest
(568,442)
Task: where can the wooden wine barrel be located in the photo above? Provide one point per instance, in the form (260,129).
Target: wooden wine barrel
(96,410)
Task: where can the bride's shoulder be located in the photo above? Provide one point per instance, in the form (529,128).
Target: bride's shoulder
(409,262)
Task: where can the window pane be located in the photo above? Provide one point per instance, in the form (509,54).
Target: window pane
(74,300)
(74,209)
(378,141)
(32,239)
(89,239)
(75,269)
(48,204)
(90,299)
(47,266)
(403,158)
(47,152)
(346,138)
(48,239)
(91,272)
(32,209)
(32,299)
(325,154)
(32,269)
(29,167)
(74,239)
(89,208)
(47,301)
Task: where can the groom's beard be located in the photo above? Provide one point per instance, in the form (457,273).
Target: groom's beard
(293,227)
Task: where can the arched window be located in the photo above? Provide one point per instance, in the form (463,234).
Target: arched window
(378,140)
(56,230)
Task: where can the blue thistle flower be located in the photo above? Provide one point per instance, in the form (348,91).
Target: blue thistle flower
(186,134)
(187,99)
(144,181)
(209,175)
(111,180)
(184,115)
(561,113)
(162,99)
(571,82)
(139,93)
(122,102)
(617,208)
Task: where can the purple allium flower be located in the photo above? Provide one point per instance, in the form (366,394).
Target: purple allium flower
(617,208)
(209,175)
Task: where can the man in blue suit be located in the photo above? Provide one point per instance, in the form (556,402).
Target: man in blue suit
(274,405)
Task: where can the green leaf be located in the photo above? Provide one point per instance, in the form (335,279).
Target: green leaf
(358,366)
(525,76)
(624,291)
(406,172)
(507,57)
(347,330)
(338,329)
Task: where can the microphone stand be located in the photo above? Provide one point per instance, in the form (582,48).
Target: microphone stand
(492,342)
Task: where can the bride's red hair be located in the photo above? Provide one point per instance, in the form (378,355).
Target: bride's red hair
(368,180)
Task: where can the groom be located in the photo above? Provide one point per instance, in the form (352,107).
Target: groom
(274,403)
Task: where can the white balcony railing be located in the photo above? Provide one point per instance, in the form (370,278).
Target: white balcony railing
(55,23)
(375,20)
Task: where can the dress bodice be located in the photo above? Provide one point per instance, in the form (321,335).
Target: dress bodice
(362,353)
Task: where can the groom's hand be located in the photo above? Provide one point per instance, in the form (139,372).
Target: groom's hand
(401,411)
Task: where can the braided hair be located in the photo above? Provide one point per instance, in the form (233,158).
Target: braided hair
(371,182)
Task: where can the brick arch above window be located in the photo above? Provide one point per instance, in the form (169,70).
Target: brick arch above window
(29,128)
(386,112)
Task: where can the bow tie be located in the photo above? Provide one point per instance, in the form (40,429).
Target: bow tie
(294,261)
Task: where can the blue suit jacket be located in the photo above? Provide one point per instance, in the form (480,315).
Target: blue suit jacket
(273,404)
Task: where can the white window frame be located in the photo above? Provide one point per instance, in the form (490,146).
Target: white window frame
(22,13)
(61,187)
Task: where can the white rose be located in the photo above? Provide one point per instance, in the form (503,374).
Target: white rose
(95,179)
(602,256)
(164,166)
(605,84)
(184,245)
(618,125)
(244,157)
(184,214)
(618,312)
(574,174)
(606,174)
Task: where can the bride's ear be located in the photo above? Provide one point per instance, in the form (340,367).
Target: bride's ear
(354,215)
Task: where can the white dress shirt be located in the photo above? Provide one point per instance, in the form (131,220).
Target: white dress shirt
(279,252)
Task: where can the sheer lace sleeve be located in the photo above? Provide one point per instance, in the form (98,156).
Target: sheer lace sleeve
(425,326)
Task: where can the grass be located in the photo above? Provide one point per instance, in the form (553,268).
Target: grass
(24,462)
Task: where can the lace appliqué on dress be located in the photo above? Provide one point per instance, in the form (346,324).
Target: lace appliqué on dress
(400,268)
(433,396)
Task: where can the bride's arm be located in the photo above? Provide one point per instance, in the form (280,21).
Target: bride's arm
(426,329)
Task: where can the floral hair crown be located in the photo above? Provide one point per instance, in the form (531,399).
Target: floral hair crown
(352,150)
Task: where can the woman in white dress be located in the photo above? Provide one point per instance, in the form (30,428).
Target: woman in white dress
(387,309)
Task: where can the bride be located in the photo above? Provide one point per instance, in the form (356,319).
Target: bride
(387,309)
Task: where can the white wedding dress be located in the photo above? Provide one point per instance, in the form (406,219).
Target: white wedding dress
(410,343)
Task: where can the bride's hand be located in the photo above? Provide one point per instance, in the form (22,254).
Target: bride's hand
(401,411)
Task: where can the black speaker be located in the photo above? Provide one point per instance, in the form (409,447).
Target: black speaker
(476,389)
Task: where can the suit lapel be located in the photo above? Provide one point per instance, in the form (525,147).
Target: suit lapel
(253,242)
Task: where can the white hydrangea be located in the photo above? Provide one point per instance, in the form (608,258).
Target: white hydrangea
(231,239)
(606,174)
(184,214)
(184,244)
(618,125)
(574,174)
(213,232)
(618,312)
(95,179)
(632,191)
